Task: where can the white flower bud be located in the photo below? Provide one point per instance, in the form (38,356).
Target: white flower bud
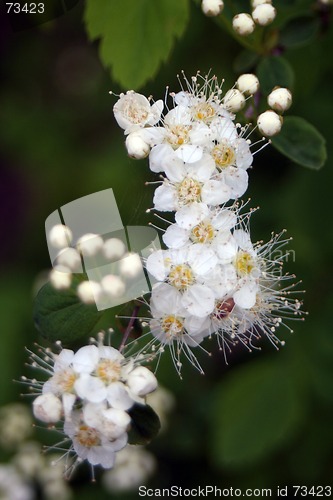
(141,381)
(133,111)
(131,265)
(47,408)
(212,7)
(269,123)
(89,292)
(264,14)
(60,277)
(255,3)
(136,147)
(243,24)
(280,99)
(114,248)
(234,100)
(248,84)
(70,258)
(118,417)
(60,236)
(90,244)
(113,285)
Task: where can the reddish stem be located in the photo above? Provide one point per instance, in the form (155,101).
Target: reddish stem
(129,327)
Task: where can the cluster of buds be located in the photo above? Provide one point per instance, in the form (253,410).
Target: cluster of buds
(270,122)
(211,279)
(89,393)
(112,270)
(263,13)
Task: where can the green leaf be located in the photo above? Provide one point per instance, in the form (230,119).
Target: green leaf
(301,142)
(299,32)
(273,71)
(145,424)
(60,315)
(257,409)
(136,36)
(245,61)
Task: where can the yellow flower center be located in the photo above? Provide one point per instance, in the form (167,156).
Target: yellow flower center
(189,191)
(204,112)
(64,380)
(202,232)
(135,113)
(178,134)
(172,326)
(108,370)
(224,155)
(181,276)
(244,263)
(87,436)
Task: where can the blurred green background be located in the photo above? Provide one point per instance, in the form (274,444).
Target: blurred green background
(266,418)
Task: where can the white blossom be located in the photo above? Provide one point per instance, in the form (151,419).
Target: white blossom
(134,111)
(185,269)
(90,444)
(134,465)
(187,183)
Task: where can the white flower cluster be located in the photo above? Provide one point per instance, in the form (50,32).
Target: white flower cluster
(91,392)
(211,279)
(263,13)
(28,474)
(134,466)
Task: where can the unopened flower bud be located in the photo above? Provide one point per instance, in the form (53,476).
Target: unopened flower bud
(248,84)
(113,285)
(269,123)
(141,381)
(70,258)
(280,99)
(60,236)
(60,277)
(255,3)
(89,292)
(243,24)
(114,248)
(264,14)
(47,408)
(90,244)
(212,7)
(136,147)
(131,265)
(234,100)
(115,423)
